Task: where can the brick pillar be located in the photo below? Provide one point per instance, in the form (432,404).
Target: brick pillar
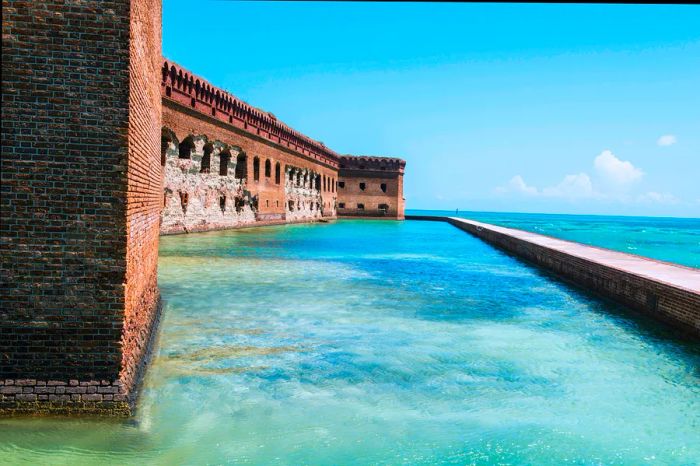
(80,202)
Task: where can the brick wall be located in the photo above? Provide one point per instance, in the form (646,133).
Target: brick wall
(77,243)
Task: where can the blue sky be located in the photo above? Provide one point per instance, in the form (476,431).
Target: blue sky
(505,107)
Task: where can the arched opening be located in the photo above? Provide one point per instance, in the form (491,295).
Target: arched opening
(363,186)
(383,186)
(324,182)
(186,148)
(222,203)
(383,208)
(241,166)
(166,137)
(256,169)
(224,159)
(268,168)
(239,203)
(206,158)
(278,173)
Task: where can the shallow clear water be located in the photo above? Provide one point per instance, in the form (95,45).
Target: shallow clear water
(663,238)
(379,342)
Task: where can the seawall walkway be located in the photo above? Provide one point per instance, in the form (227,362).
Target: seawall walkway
(665,291)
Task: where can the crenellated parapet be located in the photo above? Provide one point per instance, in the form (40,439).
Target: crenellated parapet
(372,163)
(194,92)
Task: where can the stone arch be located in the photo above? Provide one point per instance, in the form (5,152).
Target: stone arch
(241,166)
(224,160)
(186,147)
(206,158)
(278,173)
(167,136)
(268,168)
(256,168)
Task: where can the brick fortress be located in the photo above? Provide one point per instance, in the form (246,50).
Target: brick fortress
(105,146)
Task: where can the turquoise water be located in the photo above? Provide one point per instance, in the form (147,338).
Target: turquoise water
(382,342)
(663,238)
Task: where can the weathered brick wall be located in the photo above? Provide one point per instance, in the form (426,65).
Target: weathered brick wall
(371,187)
(73,222)
(675,306)
(194,109)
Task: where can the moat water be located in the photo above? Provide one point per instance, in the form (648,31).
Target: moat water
(379,342)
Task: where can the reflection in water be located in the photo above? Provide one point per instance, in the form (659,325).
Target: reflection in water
(384,343)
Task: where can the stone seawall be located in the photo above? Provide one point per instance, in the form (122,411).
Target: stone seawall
(667,292)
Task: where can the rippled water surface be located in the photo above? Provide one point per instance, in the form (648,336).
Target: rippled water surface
(383,342)
(663,238)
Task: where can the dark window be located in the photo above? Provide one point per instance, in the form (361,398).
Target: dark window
(290,205)
(222,203)
(224,159)
(240,203)
(341,205)
(241,167)
(341,184)
(383,186)
(360,207)
(256,169)
(206,158)
(268,168)
(363,186)
(278,173)
(186,148)
(184,198)
(384,207)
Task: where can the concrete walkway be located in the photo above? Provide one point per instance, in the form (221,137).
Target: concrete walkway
(679,276)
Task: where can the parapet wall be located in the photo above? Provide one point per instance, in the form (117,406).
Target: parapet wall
(667,292)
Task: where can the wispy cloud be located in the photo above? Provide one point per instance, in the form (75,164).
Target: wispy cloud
(666,140)
(652,197)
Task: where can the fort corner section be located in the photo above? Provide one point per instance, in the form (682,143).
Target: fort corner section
(371,187)
(81,201)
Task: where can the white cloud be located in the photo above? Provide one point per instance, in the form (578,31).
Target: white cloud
(666,140)
(619,172)
(572,187)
